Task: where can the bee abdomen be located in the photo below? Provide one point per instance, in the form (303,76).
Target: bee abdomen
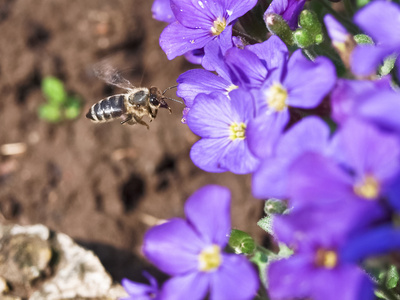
(107,109)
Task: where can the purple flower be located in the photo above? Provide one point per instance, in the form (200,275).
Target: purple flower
(381,21)
(140,291)
(192,251)
(193,82)
(296,83)
(250,67)
(373,101)
(222,122)
(270,179)
(288,9)
(199,22)
(319,269)
(363,165)
(162,11)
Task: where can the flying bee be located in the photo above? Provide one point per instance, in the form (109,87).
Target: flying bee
(132,106)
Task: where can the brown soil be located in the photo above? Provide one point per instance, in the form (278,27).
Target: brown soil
(102,184)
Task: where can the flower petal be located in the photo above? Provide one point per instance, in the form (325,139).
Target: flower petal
(173,247)
(291,278)
(264,131)
(197,14)
(386,25)
(317,180)
(238,158)
(211,115)
(192,286)
(176,39)
(236,9)
(207,153)
(346,282)
(208,210)
(246,68)
(366,58)
(196,81)
(308,82)
(271,52)
(377,241)
(367,151)
(235,279)
(161,10)
(383,108)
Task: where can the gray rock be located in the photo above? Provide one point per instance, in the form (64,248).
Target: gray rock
(52,266)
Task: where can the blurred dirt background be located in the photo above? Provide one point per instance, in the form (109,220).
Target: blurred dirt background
(102,184)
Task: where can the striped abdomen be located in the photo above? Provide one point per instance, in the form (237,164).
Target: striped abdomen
(107,109)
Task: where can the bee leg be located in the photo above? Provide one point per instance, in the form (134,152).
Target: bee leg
(128,119)
(140,121)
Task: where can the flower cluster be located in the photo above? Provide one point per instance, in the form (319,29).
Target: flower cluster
(320,133)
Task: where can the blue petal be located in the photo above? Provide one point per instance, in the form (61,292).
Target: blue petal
(378,241)
(176,39)
(264,131)
(197,14)
(207,154)
(211,115)
(214,59)
(236,9)
(161,10)
(208,210)
(367,151)
(192,286)
(273,52)
(308,82)
(366,58)
(234,279)
(386,25)
(194,82)
(382,107)
(246,68)
(173,247)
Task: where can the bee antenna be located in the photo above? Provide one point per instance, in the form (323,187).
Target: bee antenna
(167,89)
(173,100)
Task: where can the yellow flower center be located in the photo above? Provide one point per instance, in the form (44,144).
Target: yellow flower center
(210,258)
(218,26)
(276,97)
(326,258)
(368,188)
(237,131)
(231,88)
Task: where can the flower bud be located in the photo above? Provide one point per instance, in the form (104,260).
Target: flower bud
(309,20)
(278,26)
(241,242)
(303,38)
(274,206)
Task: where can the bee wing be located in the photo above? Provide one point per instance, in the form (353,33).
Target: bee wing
(106,72)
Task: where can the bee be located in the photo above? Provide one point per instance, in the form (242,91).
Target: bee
(131,106)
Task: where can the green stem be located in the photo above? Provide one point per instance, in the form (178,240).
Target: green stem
(349,7)
(389,295)
(246,36)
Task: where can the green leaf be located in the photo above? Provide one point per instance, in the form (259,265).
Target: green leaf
(241,242)
(50,113)
(362,39)
(392,277)
(53,89)
(72,108)
(388,65)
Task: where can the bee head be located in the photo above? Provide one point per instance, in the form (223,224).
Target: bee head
(157,99)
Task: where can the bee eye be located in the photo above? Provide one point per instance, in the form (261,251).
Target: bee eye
(154,101)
